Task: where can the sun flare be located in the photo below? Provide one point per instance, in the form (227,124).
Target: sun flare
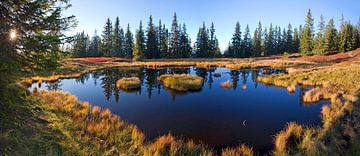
(13,35)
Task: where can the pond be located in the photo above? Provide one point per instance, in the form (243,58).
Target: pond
(249,112)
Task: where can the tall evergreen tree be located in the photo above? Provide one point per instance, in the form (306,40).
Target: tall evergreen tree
(296,41)
(264,42)
(117,40)
(81,45)
(202,43)
(289,39)
(151,42)
(129,43)
(185,43)
(270,45)
(236,42)
(107,38)
(214,43)
(174,42)
(139,47)
(257,41)
(319,39)
(94,48)
(330,38)
(164,42)
(306,42)
(247,42)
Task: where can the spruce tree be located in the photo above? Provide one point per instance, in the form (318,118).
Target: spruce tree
(202,43)
(357,33)
(151,43)
(81,45)
(185,43)
(94,48)
(296,41)
(118,39)
(214,45)
(330,38)
(174,38)
(129,43)
(247,42)
(236,42)
(257,41)
(164,42)
(270,48)
(139,47)
(319,39)
(289,39)
(306,42)
(265,42)
(107,38)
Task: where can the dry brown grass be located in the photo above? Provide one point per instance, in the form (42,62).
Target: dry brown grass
(182,82)
(130,83)
(241,150)
(326,91)
(291,88)
(288,140)
(88,130)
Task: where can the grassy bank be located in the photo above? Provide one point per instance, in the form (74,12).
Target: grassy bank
(340,132)
(56,123)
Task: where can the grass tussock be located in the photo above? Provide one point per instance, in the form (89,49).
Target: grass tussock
(291,88)
(241,150)
(130,83)
(287,141)
(326,91)
(226,84)
(182,82)
(168,145)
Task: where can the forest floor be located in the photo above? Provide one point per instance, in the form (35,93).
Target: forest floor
(55,123)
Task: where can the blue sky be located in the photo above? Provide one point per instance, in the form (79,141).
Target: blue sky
(91,14)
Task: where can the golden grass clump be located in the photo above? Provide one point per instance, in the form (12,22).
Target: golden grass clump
(95,111)
(106,113)
(182,82)
(326,91)
(288,140)
(291,88)
(168,145)
(130,83)
(241,150)
(226,84)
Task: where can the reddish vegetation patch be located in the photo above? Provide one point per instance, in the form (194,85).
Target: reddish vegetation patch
(332,58)
(102,59)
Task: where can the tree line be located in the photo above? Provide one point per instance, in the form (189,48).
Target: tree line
(157,41)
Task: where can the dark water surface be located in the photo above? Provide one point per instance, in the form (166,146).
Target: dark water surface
(249,112)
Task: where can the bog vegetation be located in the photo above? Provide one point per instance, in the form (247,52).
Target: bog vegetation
(130,83)
(56,123)
(182,82)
